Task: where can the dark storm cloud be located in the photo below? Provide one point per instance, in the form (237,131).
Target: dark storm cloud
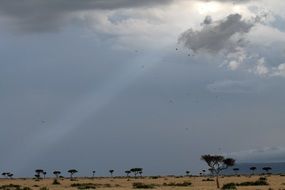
(41,15)
(216,36)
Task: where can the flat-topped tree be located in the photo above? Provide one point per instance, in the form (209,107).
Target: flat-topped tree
(93,173)
(136,171)
(217,163)
(236,170)
(56,173)
(140,172)
(72,172)
(38,173)
(111,172)
(128,172)
(4,174)
(267,169)
(187,173)
(44,174)
(10,175)
(253,168)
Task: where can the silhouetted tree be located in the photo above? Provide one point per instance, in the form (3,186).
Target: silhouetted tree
(187,173)
(267,169)
(93,173)
(72,172)
(44,174)
(56,173)
(252,169)
(38,173)
(4,174)
(10,175)
(236,170)
(128,172)
(136,171)
(37,176)
(111,172)
(217,163)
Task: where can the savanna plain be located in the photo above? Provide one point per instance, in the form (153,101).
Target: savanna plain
(274,182)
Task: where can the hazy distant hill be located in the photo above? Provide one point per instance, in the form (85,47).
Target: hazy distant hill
(277,168)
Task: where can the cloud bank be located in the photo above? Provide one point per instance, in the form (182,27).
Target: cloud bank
(43,16)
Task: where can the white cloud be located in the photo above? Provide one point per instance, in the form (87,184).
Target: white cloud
(261,68)
(236,58)
(279,71)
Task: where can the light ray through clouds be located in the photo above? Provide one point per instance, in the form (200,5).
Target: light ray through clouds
(89,105)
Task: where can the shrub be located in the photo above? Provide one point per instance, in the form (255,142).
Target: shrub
(208,179)
(229,186)
(44,188)
(154,177)
(14,187)
(184,184)
(259,182)
(84,185)
(139,185)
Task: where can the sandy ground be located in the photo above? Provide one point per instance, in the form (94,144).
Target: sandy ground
(276,182)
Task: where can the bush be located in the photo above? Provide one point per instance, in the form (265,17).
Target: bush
(44,188)
(184,184)
(84,185)
(154,177)
(139,185)
(229,186)
(14,187)
(208,179)
(260,182)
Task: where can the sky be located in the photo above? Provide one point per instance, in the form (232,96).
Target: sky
(117,84)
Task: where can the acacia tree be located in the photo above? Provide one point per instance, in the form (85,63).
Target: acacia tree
(38,173)
(267,169)
(236,170)
(44,174)
(187,173)
(252,169)
(217,164)
(93,173)
(111,172)
(136,171)
(4,174)
(140,172)
(128,172)
(72,172)
(10,175)
(56,173)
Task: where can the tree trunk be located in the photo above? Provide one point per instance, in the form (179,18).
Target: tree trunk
(217,181)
